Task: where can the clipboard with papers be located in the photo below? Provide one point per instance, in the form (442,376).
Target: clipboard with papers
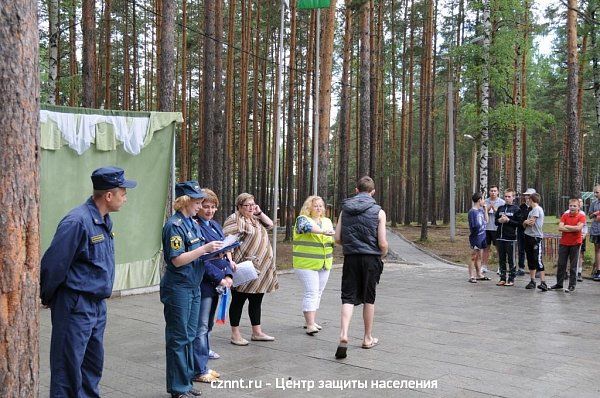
(229,243)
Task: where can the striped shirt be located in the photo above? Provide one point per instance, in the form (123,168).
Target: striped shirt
(254,246)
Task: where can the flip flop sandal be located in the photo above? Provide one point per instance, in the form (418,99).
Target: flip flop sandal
(374,342)
(484,278)
(472,280)
(340,353)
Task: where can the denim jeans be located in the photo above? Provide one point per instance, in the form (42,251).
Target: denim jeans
(181,318)
(206,318)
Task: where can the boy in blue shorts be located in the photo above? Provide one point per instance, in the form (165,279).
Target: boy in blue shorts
(477,223)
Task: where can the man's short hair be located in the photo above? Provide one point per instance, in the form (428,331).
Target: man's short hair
(507,190)
(535,197)
(476,197)
(365,184)
(98,193)
(493,186)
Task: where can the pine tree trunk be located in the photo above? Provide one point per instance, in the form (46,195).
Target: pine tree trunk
(408,208)
(344,118)
(365,91)
(19,198)
(72,55)
(206,173)
(228,190)
(107,53)
(306,186)
(219,130)
(326,66)
(289,152)
(183,140)
(243,140)
(88,52)
(166,69)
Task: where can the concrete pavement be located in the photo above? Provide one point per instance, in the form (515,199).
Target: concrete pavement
(473,340)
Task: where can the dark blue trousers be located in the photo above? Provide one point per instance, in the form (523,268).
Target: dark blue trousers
(181,308)
(76,348)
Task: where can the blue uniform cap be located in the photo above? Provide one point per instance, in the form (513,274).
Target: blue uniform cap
(189,188)
(111,177)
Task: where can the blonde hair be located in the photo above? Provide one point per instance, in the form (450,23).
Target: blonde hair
(210,196)
(309,203)
(239,201)
(181,202)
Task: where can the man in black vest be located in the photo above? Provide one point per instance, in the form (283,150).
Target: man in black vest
(363,236)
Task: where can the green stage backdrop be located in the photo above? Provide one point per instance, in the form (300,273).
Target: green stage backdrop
(65,184)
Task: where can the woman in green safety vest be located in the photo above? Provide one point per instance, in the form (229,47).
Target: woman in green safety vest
(312,256)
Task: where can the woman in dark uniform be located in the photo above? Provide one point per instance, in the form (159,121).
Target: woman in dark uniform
(183,244)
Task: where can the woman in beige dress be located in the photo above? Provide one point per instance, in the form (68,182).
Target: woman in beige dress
(251,224)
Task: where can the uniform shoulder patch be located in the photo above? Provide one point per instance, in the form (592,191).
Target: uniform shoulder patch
(176,242)
(97,238)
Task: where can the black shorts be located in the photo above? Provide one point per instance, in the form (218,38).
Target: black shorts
(533,251)
(595,239)
(490,237)
(360,277)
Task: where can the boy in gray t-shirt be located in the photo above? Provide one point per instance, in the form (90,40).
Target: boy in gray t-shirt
(491,205)
(534,234)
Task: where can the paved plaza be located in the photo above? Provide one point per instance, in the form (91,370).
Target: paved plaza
(435,328)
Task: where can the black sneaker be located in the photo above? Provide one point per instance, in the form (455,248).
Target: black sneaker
(571,289)
(520,272)
(543,287)
(556,287)
(530,285)
(579,277)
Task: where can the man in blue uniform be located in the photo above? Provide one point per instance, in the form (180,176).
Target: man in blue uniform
(77,274)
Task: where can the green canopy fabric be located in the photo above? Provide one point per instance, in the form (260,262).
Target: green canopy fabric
(65,183)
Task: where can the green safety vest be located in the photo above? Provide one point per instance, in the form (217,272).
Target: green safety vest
(313,251)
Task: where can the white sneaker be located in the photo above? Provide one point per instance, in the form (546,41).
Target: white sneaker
(484,269)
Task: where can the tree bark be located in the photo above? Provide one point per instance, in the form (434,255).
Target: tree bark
(289,152)
(88,53)
(107,53)
(365,91)
(219,130)
(19,198)
(574,168)
(408,208)
(344,119)
(72,55)
(206,172)
(326,66)
(166,69)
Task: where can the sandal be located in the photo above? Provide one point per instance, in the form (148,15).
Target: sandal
(340,353)
(483,278)
(472,280)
